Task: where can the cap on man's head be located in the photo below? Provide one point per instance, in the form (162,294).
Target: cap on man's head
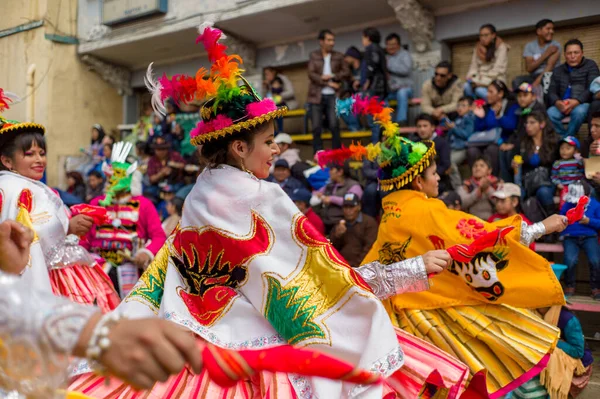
(302,195)
(508,190)
(283,138)
(282,163)
(572,141)
(351,199)
(524,88)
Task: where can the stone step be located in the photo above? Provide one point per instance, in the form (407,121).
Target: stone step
(592,391)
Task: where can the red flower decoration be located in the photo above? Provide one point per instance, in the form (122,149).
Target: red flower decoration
(471,228)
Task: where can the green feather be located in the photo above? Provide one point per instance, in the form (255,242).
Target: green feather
(398,171)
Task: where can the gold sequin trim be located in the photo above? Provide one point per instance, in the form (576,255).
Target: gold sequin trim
(414,171)
(23,126)
(238,127)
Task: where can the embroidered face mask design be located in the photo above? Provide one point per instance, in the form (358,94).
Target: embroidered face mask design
(481,274)
(214,263)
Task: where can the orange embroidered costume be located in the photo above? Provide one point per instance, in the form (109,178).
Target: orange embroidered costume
(473,310)
(245,270)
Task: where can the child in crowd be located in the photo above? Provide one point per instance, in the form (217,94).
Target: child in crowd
(507,203)
(476,192)
(95,185)
(282,175)
(460,130)
(167,193)
(174,210)
(286,151)
(76,186)
(452,200)
(569,168)
(507,200)
(528,103)
(276,90)
(301,198)
(582,235)
(426,125)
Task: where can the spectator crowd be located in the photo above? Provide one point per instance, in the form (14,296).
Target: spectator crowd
(503,148)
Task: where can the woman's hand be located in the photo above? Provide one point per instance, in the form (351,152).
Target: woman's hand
(506,146)
(145,351)
(479,112)
(15,240)
(436,261)
(555,223)
(80,225)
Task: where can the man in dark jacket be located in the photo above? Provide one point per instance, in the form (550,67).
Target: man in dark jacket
(355,234)
(569,92)
(326,72)
(373,76)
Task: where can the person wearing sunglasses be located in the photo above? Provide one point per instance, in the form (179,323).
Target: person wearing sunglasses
(440,94)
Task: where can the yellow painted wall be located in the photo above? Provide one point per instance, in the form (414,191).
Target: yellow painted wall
(68,99)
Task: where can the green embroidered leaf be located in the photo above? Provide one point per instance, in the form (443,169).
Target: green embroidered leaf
(288,313)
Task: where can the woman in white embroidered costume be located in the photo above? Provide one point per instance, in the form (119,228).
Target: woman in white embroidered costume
(39,332)
(61,264)
(246,270)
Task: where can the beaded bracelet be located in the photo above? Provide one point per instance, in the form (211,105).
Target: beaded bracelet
(100,342)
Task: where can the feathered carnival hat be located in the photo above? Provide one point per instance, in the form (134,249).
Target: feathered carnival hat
(10,128)
(230,103)
(120,172)
(400,160)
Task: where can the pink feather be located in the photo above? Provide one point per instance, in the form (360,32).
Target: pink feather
(360,105)
(210,40)
(218,123)
(221,122)
(260,108)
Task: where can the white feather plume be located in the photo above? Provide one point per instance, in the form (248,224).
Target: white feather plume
(120,151)
(12,96)
(155,88)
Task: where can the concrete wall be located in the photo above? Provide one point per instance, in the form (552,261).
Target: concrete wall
(66,94)
(521,14)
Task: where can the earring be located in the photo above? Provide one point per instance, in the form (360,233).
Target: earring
(244,166)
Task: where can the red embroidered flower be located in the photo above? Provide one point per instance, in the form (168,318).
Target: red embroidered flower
(471,228)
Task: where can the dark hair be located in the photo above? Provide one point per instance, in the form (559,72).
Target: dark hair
(21,142)
(143,146)
(550,139)
(501,86)
(451,198)
(393,36)
(345,167)
(491,49)
(543,23)
(270,68)
(277,79)
(468,99)
(214,153)
(96,173)
(426,117)
(77,177)
(595,115)
(101,133)
(573,42)
(323,33)
(373,34)
(178,204)
(485,160)
(444,64)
